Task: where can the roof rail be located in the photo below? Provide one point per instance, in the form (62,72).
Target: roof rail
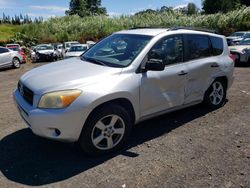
(193,29)
(148,27)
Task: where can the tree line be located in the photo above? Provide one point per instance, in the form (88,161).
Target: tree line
(85,8)
(208,7)
(19,19)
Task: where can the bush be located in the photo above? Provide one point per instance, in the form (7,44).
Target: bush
(67,28)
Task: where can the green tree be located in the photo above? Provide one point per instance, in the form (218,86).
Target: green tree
(192,9)
(212,6)
(245,2)
(85,8)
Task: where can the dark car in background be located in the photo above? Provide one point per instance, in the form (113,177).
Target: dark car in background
(44,52)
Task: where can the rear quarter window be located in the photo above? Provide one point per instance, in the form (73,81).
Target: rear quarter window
(217,44)
(3,50)
(198,46)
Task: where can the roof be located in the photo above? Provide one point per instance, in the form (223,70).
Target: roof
(147,31)
(156,31)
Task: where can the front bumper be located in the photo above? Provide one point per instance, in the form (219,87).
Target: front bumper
(44,57)
(240,57)
(46,123)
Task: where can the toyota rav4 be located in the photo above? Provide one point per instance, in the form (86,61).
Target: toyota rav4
(127,77)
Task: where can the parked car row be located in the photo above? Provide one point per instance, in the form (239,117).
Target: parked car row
(53,52)
(239,45)
(236,37)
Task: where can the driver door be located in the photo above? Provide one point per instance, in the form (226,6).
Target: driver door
(163,90)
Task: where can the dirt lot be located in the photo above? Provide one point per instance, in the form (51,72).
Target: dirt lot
(189,148)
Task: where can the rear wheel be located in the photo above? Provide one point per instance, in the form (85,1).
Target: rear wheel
(106,130)
(215,96)
(16,63)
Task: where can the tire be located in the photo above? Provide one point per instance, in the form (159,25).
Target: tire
(106,130)
(16,63)
(215,96)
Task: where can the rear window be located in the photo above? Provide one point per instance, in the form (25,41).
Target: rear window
(198,47)
(217,44)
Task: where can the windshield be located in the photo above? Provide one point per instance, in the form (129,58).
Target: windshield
(237,34)
(77,48)
(245,41)
(71,44)
(44,47)
(14,48)
(247,35)
(118,50)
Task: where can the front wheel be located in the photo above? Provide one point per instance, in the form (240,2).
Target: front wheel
(106,130)
(215,96)
(16,63)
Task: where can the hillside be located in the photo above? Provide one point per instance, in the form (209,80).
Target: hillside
(7,32)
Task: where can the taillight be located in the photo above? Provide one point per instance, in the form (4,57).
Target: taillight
(232,57)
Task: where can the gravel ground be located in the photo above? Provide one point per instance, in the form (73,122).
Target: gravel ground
(193,147)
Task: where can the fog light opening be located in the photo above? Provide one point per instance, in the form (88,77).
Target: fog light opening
(57,132)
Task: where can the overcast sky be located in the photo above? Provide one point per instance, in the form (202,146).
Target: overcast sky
(48,8)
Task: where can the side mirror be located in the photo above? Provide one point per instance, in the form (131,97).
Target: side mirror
(35,50)
(155,65)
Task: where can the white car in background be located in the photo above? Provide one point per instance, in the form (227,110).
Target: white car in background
(236,37)
(9,58)
(59,49)
(76,50)
(242,51)
(67,45)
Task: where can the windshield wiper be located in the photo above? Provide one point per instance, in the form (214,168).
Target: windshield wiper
(92,60)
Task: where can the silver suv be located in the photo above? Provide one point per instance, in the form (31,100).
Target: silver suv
(126,78)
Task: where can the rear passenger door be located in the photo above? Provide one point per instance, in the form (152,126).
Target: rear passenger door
(202,64)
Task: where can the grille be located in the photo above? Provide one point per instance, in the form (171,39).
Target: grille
(26,93)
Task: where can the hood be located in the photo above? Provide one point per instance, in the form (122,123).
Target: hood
(238,48)
(73,54)
(233,38)
(67,74)
(45,51)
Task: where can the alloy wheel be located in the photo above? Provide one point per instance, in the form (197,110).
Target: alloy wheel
(217,93)
(108,132)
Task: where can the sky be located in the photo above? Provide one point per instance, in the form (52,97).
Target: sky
(51,8)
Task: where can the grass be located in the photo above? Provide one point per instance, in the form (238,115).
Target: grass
(8,31)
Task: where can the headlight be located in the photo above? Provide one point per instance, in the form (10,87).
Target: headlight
(246,50)
(58,99)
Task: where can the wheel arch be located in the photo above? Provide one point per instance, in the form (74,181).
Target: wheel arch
(15,57)
(123,102)
(224,79)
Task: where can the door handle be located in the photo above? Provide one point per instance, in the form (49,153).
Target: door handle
(182,73)
(214,65)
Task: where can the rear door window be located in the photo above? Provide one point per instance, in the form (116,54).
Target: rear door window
(217,44)
(198,46)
